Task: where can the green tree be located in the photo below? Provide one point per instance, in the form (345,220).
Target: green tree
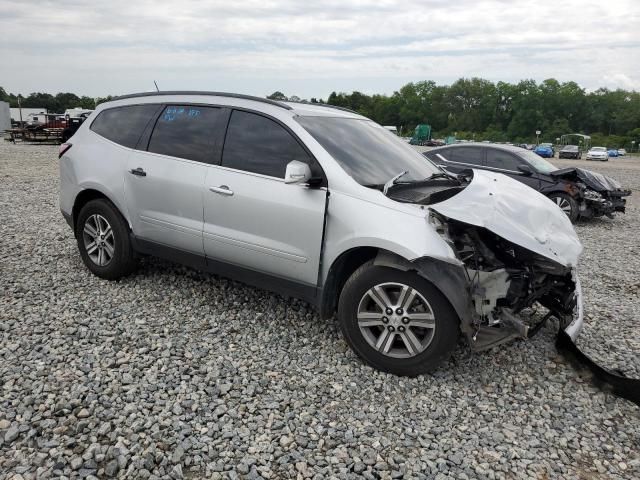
(277,96)
(66,101)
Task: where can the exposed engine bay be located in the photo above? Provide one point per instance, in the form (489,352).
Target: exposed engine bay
(504,280)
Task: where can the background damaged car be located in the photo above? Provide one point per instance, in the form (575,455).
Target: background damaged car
(578,192)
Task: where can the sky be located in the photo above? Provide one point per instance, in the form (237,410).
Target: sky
(310,48)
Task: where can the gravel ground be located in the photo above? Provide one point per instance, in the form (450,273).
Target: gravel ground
(172,373)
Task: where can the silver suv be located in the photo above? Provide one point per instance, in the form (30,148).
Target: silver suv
(323,204)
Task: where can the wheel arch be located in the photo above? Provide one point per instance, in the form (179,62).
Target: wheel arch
(85,196)
(449,279)
(341,269)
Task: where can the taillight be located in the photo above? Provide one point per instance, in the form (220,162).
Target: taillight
(63,149)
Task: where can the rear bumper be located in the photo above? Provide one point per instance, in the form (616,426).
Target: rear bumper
(575,327)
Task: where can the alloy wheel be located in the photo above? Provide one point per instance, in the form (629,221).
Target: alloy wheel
(564,204)
(396,320)
(99,241)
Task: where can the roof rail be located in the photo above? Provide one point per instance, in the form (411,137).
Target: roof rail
(328,105)
(213,94)
(345,109)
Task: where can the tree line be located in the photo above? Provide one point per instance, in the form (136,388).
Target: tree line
(469,108)
(57,103)
(478,109)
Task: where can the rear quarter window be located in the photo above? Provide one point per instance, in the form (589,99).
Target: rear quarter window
(124,125)
(503,160)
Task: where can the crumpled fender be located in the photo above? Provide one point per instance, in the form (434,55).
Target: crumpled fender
(450,279)
(516,213)
(594,180)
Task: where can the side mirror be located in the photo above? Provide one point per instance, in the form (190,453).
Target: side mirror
(525,169)
(297,172)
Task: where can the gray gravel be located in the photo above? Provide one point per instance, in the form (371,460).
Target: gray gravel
(172,373)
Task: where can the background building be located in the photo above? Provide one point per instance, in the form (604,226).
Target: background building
(5,116)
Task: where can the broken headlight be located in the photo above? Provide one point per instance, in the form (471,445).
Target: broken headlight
(441,226)
(592,195)
(439,223)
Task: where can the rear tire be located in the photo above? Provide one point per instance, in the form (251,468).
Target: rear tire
(103,240)
(414,341)
(567,203)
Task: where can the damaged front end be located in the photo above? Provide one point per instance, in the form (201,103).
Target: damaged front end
(598,194)
(506,283)
(517,253)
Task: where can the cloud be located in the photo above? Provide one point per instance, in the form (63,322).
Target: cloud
(620,80)
(311,48)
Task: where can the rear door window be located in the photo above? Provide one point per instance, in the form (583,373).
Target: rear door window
(502,160)
(257,144)
(186,131)
(466,155)
(124,125)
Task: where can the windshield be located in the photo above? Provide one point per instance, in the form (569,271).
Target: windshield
(570,148)
(537,162)
(599,149)
(367,151)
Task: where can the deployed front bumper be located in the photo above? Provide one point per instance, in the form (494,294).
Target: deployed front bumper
(609,203)
(618,202)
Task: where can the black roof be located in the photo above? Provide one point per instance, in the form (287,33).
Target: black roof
(499,146)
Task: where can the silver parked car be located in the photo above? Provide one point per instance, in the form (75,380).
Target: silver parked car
(325,205)
(598,153)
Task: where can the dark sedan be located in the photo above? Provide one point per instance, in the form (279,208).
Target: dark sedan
(578,192)
(570,151)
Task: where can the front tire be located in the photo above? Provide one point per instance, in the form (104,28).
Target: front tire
(103,240)
(396,321)
(567,204)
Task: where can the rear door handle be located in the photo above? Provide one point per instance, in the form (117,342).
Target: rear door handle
(222,189)
(139,172)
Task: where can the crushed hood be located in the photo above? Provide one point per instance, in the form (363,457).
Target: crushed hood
(593,180)
(516,213)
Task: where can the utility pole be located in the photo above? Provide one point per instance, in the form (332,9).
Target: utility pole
(20,109)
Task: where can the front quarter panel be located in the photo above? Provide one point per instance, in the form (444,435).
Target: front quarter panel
(356,222)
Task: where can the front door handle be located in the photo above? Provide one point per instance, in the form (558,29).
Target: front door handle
(138,171)
(222,189)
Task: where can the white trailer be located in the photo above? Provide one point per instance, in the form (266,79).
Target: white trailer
(15,113)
